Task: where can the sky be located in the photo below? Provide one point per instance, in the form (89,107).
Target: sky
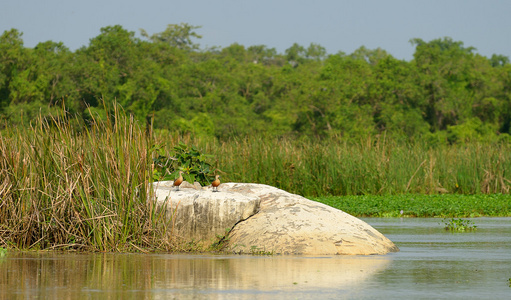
(336,25)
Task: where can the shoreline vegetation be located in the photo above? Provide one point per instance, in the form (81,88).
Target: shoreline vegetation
(64,188)
(68,189)
(422,206)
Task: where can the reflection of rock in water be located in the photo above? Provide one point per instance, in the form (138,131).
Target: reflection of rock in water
(271,273)
(140,276)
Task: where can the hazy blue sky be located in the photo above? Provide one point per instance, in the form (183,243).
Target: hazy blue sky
(336,25)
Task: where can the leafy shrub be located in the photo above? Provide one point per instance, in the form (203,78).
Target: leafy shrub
(186,158)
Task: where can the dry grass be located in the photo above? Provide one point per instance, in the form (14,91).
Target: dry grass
(62,188)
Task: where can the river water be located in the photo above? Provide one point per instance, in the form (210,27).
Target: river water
(432,264)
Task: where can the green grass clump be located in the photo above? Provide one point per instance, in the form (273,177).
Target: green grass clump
(417,205)
(459,225)
(82,189)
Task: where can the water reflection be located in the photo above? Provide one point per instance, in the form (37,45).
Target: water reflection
(432,264)
(270,273)
(109,276)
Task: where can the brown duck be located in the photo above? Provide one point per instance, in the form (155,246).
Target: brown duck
(216,183)
(179,180)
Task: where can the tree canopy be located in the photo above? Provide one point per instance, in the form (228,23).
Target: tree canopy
(446,94)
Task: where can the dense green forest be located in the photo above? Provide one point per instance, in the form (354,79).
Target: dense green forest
(446,94)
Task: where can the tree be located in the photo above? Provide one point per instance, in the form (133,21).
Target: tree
(499,60)
(371,56)
(54,66)
(264,55)
(398,100)
(444,66)
(315,52)
(14,59)
(108,62)
(295,54)
(176,35)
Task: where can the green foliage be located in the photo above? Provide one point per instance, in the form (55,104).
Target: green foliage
(459,225)
(186,158)
(446,94)
(26,113)
(260,251)
(417,205)
(221,241)
(470,131)
(179,36)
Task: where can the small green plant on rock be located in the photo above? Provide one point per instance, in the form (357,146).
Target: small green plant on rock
(189,159)
(221,241)
(254,250)
(459,225)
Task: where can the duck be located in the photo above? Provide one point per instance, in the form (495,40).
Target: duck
(216,183)
(178,181)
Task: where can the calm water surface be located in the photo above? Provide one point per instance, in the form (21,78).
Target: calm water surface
(432,264)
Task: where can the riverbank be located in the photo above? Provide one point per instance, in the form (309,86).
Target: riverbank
(420,205)
(65,185)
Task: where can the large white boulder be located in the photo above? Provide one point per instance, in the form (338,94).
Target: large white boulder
(199,214)
(264,219)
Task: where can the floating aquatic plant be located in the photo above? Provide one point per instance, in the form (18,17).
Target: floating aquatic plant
(459,225)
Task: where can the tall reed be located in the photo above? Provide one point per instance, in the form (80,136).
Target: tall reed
(373,166)
(62,188)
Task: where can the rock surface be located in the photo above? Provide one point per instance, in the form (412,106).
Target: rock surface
(198,213)
(264,219)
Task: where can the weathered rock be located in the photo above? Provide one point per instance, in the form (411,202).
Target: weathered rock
(198,213)
(266,219)
(291,224)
